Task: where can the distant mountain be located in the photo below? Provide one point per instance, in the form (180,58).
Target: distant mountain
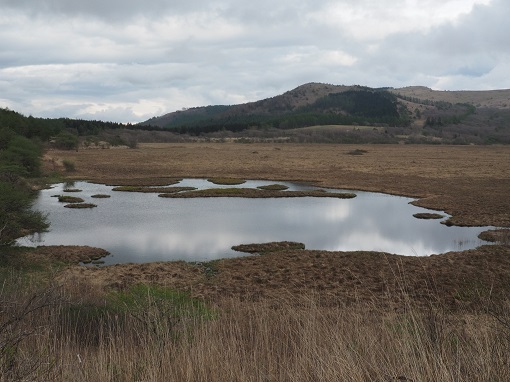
(413,114)
(307,105)
(496,99)
(315,104)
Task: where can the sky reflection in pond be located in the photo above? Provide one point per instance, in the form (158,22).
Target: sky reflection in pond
(140,227)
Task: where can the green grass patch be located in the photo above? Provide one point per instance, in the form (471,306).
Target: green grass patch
(273,187)
(140,297)
(69,199)
(150,308)
(226,181)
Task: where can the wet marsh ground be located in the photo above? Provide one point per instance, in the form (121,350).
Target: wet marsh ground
(469,182)
(289,315)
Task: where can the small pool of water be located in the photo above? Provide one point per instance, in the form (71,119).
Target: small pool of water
(142,227)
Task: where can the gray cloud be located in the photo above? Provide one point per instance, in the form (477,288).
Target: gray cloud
(130,60)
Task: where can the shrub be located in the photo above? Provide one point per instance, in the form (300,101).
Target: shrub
(16,217)
(69,165)
(66,141)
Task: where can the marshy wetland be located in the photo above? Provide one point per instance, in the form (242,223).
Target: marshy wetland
(292,313)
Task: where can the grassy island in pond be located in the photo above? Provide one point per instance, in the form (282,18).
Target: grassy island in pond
(257,193)
(157,190)
(427,215)
(80,205)
(269,247)
(273,187)
(69,199)
(226,181)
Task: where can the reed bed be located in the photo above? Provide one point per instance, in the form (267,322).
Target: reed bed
(46,334)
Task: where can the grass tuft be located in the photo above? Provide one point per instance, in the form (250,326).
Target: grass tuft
(226,181)
(69,199)
(80,205)
(269,247)
(274,187)
(426,215)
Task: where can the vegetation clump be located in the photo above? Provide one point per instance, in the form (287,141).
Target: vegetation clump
(148,182)
(100,196)
(226,181)
(72,190)
(357,152)
(269,247)
(257,193)
(427,215)
(274,187)
(147,189)
(80,205)
(499,236)
(69,165)
(69,199)
(19,161)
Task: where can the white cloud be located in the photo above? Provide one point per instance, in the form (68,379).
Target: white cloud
(125,59)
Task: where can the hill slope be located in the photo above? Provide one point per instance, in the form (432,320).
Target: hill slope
(306,105)
(411,114)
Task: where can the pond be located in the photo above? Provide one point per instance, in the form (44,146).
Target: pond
(142,227)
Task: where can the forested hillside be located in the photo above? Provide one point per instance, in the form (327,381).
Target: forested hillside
(302,107)
(386,115)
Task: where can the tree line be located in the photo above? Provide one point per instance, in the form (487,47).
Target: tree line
(361,107)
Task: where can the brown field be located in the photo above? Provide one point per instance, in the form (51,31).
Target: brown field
(469,182)
(289,315)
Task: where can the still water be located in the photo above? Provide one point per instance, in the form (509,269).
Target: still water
(141,227)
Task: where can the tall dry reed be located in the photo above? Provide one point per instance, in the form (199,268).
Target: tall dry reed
(293,338)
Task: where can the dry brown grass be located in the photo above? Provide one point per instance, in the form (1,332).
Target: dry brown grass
(294,315)
(469,182)
(290,339)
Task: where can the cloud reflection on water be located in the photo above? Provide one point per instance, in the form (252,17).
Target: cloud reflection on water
(137,227)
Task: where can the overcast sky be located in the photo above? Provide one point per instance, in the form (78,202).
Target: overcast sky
(129,60)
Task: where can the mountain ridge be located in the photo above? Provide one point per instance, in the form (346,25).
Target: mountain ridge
(306,95)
